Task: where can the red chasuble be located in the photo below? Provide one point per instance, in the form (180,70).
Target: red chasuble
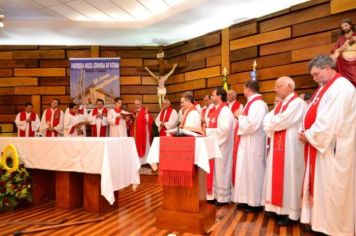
(139,132)
(23,118)
(237,137)
(56,120)
(164,117)
(102,128)
(309,118)
(213,123)
(279,140)
(176,161)
(117,120)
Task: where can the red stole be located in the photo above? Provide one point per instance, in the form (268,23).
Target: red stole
(23,118)
(182,124)
(309,119)
(164,117)
(81,111)
(139,132)
(279,140)
(237,137)
(235,106)
(203,111)
(56,120)
(73,128)
(213,123)
(117,120)
(102,128)
(176,161)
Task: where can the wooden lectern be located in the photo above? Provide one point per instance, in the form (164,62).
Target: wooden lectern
(185,209)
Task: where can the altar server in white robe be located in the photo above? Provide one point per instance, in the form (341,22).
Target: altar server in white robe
(191,119)
(73,122)
(83,113)
(27,122)
(167,118)
(249,150)
(329,125)
(220,126)
(285,163)
(116,120)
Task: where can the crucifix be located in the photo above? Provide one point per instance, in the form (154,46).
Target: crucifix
(161,77)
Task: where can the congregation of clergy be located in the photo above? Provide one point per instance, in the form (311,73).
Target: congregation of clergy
(296,162)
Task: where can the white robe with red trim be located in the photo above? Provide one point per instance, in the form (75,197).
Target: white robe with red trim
(69,122)
(250,165)
(119,130)
(171,123)
(289,120)
(23,125)
(193,120)
(222,171)
(58,128)
(333,135)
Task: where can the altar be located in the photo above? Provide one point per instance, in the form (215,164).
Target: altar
(88,171)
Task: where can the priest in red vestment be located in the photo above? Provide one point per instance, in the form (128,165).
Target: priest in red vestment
(141,130)
(167,118)
(52,121)
(99,119)
(27,122)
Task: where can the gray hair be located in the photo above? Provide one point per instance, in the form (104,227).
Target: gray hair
(321,62)
(288,80)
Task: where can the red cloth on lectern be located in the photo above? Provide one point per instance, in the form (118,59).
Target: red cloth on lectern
(176,161)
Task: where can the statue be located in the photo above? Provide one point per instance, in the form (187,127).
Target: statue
(161,89)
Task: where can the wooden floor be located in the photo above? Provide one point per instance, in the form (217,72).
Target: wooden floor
(136,216)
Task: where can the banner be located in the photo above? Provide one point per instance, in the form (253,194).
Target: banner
(94,78)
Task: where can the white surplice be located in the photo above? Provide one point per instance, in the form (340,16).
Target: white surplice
(333,135)
(172,121)
(69,122)
(44,125)
(289,120)
(222,171)
(193,120)
(119,130)
(250,165)
(23,125)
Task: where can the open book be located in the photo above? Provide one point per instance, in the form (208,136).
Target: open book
(185,132)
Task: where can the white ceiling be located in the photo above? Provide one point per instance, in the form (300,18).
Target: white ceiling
(124,22)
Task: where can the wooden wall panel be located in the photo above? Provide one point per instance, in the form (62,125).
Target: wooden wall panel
(45,72)
(244,53)
(188,86)
(295,18)
(18,81)
(127,80)
(263,38)
(308,53)
(6,72)
(203,73)
(242,30)
(342,5)
(296,43)
(18,63)
(41,90)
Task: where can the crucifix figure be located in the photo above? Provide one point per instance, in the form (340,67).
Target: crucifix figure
(161,89)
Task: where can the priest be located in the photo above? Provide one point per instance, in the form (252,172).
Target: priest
(167,118)
(52,120)
(249,151)
(328,132)
(285,163)
(27,122)
(141,130)
(220,126)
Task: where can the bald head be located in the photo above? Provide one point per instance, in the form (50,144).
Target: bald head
(284,86)
(231,95)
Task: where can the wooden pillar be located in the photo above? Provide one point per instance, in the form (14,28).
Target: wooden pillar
(94,51)
(36,101)
(225,50)
(69,190)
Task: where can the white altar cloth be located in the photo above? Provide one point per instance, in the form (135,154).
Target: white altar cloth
(205,149)
(115,159)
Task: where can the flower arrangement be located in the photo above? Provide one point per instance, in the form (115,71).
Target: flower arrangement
(14,186)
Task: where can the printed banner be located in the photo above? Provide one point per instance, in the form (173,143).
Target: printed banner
(94,78)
